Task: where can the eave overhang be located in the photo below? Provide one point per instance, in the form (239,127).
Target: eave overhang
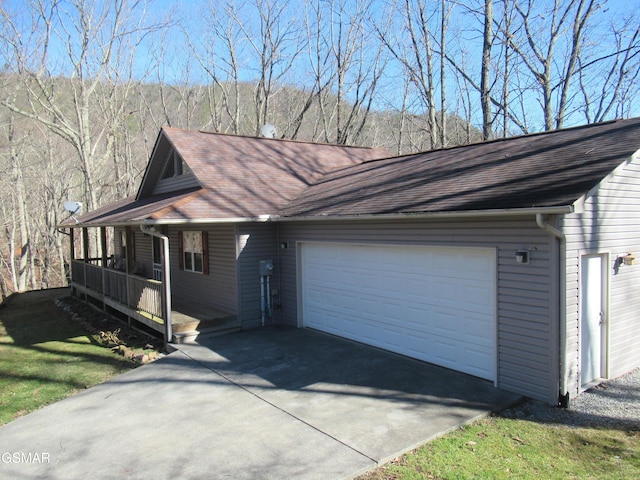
(554,210)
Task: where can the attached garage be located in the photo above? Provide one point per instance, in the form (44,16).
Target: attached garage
(436,304)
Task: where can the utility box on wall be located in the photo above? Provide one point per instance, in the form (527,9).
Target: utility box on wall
(266,268)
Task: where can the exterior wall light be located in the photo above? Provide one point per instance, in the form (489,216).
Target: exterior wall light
(629,259)
(523,257)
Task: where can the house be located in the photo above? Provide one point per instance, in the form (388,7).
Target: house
(511,260)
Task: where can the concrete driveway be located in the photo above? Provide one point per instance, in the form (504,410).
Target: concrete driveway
(270,403)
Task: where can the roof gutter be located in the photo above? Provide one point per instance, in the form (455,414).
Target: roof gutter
(557,210)
(151,223)
(166,282)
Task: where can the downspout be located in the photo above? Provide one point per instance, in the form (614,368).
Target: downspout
(548,228)
(166,282)
(563,395)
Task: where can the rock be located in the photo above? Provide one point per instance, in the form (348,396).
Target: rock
(125,351)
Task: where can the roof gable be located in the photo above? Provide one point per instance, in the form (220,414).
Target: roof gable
(166,170)
(550,169)
(250,177)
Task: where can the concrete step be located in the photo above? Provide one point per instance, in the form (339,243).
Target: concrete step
(193,336)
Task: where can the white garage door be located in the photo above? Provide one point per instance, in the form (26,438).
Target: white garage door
(436,304)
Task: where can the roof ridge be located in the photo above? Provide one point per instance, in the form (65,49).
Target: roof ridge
(288,140)
(500,140)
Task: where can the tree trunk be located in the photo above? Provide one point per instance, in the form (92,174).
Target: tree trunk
(485,99)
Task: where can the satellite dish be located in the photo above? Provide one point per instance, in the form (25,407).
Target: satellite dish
(72,207)
(268,131)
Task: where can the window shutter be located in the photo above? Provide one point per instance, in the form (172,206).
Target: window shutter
(205,253)
(180,252)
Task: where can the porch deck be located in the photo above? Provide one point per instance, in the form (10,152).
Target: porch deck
(141,300)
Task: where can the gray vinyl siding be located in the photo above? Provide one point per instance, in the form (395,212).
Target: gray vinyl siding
(117,244)
(255,242)
(610,225)
(218,289)
(524,317)
(143,255)
(174,184)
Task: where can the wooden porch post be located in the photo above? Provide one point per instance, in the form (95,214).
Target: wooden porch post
(72,257)
(103,245)
(128,265)
(103,272)
(72,248)
(85,244)
(166,291)
(130,247)
(85,251)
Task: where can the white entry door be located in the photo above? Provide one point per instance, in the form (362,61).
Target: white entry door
(436,304)
(593,287)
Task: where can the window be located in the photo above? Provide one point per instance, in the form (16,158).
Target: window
(157,251)
(193,251)
(175,166)
(157,258)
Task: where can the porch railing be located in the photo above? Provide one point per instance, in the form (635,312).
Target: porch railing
(131,291)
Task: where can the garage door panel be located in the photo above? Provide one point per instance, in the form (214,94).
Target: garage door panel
(434,304)
(476,294)
(479,360)
(446,352)
(475,329)
(442,322)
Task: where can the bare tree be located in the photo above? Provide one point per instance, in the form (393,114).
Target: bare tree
(20,253)
(347,65)
(485,83)
(444,20)
(95,37)
(416,57)
(562,26)
(613,86)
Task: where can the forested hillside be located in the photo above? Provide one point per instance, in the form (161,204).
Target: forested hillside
(87,84)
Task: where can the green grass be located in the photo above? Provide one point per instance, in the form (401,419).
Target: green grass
(504,448)
(45,356)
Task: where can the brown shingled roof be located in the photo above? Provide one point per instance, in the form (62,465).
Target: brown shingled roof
(241,178)
(542,170)
(249,177)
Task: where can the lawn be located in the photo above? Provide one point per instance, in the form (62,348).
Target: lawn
(46,356)
(508,448)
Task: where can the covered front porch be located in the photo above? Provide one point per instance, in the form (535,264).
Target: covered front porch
(114,284)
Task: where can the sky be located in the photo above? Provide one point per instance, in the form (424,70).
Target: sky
(188,22)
